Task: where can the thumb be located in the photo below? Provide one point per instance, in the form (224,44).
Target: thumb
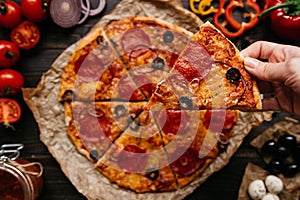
(264,70)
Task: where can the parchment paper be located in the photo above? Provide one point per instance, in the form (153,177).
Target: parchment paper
(49,113)
(254,172)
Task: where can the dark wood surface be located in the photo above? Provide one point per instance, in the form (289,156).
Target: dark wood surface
(54,40)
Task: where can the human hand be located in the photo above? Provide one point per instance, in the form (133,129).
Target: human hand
(279,73)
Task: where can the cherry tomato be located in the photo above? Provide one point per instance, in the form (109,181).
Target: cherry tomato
(10,14)
(10,111)
(11,82)
(9,53)
(26,35)
(35,10)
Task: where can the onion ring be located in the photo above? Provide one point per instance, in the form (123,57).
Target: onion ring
(65,13)
(86,14)
(93,12)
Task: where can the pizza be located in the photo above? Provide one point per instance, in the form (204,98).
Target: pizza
(137,106)
(209,74)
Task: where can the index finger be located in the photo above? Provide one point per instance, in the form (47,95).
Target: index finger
(260,50)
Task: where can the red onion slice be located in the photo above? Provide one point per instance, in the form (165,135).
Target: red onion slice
(86,14)
(93,12)
(65,13)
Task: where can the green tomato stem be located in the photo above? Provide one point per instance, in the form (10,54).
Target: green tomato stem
(8,125)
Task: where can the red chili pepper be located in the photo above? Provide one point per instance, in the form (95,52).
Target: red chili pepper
(285,18)
(229,25)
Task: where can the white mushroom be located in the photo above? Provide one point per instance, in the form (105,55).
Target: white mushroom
(270,196)
(257,189)
(274,184)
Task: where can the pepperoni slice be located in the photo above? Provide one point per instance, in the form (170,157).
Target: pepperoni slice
(195,62)
(89,67)
(94,130)
(132,159)
(80,60)
(134,39)
(174,121)
(219,120)
(187,163)
(128,90)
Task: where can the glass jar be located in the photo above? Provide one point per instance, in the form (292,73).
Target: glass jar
(19,179)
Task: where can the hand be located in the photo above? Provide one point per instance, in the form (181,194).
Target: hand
(279,74)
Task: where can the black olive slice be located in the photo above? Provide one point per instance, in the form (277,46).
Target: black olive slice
(120,111)
(69,95)
(94,154)
(233,75)
(186,103)
(135,126)
(152,174)
(223,142)
(100,40)
(168,37)
(158,63)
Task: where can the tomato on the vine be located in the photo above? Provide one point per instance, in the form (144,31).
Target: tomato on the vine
(10,111)
(11,82)
(26,35)
(10,14)
(35,10)
(9,54)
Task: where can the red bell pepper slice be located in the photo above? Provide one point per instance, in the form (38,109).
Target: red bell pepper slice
(231,27)
(239,4)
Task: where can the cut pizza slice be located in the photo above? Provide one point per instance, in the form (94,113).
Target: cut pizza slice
(148,47)
(209,74)
(193,139)
(137,159)
(95,72)
(92,127)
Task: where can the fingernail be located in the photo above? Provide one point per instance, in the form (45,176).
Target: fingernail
(251,63)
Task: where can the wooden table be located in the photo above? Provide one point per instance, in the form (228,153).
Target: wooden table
(54,40)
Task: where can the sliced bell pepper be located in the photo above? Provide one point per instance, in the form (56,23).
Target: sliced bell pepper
(231,27)
(252,16)
(205,7)
(285,18)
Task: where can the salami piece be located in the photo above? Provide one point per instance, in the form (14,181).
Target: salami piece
(187,163)
(220,120)
(134,39)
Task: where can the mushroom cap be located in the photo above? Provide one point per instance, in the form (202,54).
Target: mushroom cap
(274,184)
(257,189)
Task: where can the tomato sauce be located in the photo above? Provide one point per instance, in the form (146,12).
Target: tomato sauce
(10,187)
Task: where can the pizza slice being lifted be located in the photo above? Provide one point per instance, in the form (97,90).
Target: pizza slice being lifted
(209,74)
